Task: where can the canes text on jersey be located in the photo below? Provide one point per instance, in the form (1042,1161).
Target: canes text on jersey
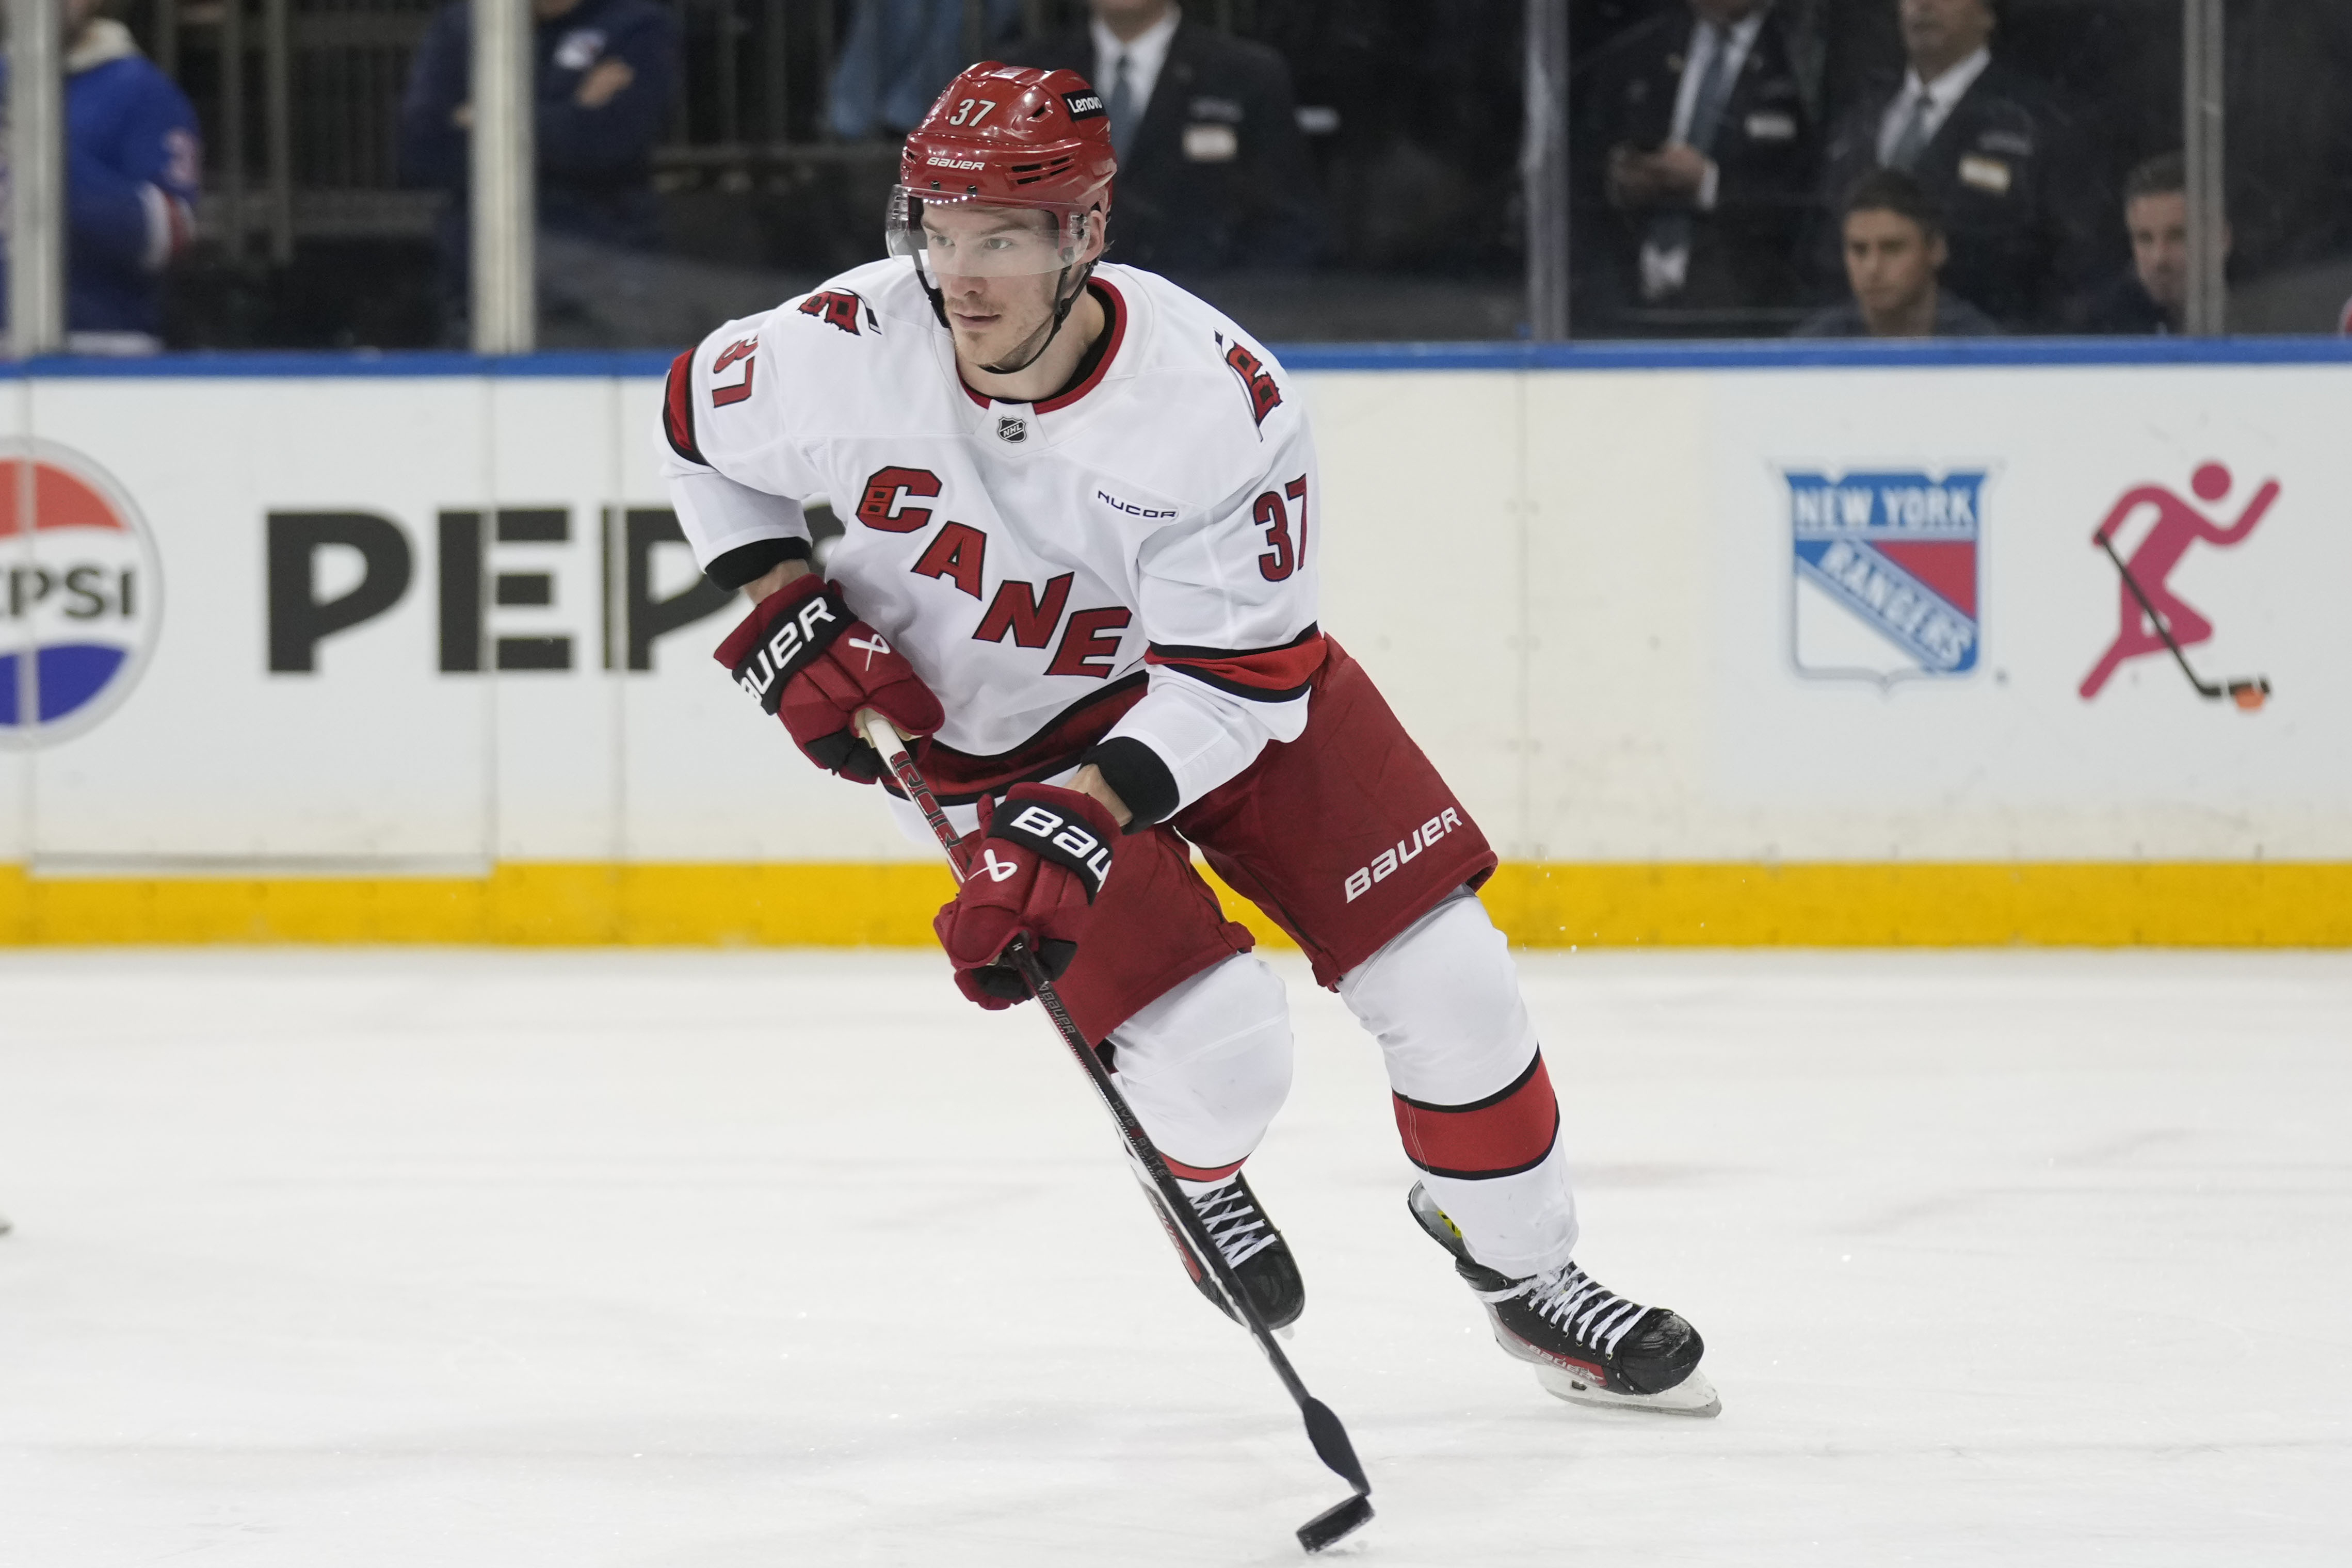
(1028,613)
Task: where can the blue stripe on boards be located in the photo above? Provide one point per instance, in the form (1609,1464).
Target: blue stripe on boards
(1775,354)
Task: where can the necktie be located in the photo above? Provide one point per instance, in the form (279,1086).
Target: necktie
(1714,92)
(1666,240)
(1914,139)
(1124,111)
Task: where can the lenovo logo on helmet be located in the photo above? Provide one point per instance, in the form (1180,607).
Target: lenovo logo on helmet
(1084,105)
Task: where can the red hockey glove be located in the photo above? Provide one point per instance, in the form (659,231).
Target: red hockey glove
(1042,856)
(805,659)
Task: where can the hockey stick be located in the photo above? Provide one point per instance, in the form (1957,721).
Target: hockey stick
(1323,1428)
(2249,695)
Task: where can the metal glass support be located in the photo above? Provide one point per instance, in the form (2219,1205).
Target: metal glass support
(729,39)
(37,184)
(231,45)
(1543,168)
(825,55)
(278,129)
(775,68)
(2201,89)
(505,295)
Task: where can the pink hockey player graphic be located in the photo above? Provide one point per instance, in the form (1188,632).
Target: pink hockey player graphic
(2178,525)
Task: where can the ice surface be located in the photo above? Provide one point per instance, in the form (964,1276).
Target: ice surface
(652,1260)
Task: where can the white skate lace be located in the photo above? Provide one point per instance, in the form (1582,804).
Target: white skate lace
(1233,1223)
(1570,1298)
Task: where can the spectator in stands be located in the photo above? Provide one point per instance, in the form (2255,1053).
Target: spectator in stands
(1213,169)
(899,55)
(1993,149)
(1895,247)
(2152,295)
(604,81)
(132,163)
(1701,161)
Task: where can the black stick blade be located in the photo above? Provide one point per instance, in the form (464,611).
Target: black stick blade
(1333,1523)
(1331,1445)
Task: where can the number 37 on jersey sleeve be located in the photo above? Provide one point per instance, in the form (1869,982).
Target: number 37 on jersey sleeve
(1286,543)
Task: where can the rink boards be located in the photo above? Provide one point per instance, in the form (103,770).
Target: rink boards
(1804,646)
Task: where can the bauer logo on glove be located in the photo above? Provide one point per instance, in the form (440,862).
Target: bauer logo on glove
(1044,857)
(803,656)
(1061,840)
(798,638)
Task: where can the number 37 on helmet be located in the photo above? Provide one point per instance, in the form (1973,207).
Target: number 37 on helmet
(1006,137)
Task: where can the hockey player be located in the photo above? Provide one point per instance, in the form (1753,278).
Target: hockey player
(1083,518)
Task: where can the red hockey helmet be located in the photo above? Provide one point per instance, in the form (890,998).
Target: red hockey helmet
(1008,136)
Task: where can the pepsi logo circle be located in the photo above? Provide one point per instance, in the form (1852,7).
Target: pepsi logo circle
(83,595)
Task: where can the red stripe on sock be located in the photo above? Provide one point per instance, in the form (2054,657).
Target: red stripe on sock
(1507,1132)
(1183,1172)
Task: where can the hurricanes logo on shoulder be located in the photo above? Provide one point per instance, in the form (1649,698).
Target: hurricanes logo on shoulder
(1257,382)
(83,600)
(835,306)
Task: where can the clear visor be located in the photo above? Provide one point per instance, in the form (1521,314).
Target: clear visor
(981,239)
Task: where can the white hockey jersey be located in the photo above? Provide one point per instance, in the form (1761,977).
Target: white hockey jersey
(1161,516)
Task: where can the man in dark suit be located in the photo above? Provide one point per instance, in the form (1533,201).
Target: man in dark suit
(2151,294)
(1213,170)
(1698,161)
(1994,149)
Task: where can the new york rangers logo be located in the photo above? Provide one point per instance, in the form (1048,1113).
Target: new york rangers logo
(84,596)
(1886,566)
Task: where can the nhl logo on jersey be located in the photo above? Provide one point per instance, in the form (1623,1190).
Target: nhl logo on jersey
(1013,428)
(1886,564)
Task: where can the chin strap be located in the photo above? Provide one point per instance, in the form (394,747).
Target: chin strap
(1068,297)
(1062,306)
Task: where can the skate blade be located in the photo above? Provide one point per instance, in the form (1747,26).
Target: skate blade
(1694,1396)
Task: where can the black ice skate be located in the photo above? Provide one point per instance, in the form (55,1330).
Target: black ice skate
(1589,1346)
(1253,1248)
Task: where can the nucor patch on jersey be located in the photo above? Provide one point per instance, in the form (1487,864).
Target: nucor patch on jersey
(1359,881)
(1129,508)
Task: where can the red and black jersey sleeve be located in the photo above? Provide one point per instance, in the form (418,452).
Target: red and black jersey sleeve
(677,410)
(1275,674)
